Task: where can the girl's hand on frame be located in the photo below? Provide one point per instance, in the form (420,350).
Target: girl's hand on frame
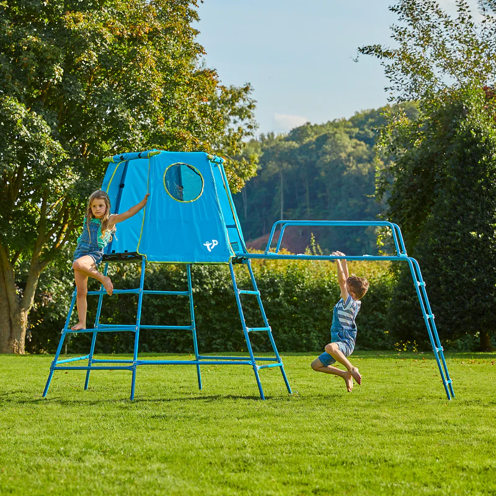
(145,199)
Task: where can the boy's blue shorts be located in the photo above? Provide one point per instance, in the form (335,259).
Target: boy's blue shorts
(345,347)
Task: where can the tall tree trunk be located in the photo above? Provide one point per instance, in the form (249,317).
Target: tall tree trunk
(13,321)
(13,311)
(485,341)
(282,195)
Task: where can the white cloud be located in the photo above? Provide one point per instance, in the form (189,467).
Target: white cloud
(284,122)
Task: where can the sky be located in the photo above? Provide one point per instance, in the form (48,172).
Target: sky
(298,55)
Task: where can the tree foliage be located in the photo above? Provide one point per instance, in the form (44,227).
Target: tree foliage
(83,80)
(440,181)
(317,172)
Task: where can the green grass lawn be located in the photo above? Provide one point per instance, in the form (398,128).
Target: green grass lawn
(395,434)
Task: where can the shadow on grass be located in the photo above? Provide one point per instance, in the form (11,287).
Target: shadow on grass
(60,400)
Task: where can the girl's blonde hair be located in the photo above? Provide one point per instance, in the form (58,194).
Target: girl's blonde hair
(99,195)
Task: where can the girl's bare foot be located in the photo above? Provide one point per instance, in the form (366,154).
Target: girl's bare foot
(349,381)
(107,284)
(78,326)
(356,375)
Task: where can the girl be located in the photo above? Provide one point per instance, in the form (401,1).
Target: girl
(99,225)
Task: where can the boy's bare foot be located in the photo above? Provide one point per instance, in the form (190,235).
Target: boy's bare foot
(356,375)
(349,381)
(78,326)
(107,284)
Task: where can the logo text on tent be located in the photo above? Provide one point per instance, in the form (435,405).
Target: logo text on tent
(211,245)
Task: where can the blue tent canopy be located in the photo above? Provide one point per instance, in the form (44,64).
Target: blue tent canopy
(190,216)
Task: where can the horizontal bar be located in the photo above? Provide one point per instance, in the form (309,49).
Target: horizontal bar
(257,329)
(181,293)
(276,256)
(104,329)
(190,362)
(269,366)
(185,328)
(92,368)
(73,359)
(115,291)
(266,359)
(102,360)
(125,326)
(243,291)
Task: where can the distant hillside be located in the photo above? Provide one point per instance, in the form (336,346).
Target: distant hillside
(316,172)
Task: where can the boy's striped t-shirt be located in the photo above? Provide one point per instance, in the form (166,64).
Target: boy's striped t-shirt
(347,312)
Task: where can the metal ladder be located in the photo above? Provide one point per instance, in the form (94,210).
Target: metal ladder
(265,328)
(110,364)
(117,364)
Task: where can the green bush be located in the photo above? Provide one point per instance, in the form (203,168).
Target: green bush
(298,298)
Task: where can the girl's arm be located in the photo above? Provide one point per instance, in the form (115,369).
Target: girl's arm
(114,219)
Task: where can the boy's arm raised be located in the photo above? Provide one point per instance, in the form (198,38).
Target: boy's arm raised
(342,270)
(132,211)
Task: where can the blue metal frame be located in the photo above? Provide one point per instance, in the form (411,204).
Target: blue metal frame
(96,364)
(401,256)
(244,257)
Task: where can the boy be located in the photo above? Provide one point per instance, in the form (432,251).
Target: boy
(343,327)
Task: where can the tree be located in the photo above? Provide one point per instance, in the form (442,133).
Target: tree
(83,80)
(441,182)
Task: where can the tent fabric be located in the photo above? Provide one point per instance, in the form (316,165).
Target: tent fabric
(186,224)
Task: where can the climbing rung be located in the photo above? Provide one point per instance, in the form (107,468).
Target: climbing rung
(115,291)
(151,291)
(257,329)
(431,316)
(421,283)
(244,291)
(104,328)
(440,348)
(184,328)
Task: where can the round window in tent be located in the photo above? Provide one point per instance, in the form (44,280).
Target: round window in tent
(183,182)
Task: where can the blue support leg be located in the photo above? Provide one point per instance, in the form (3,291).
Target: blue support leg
(138,322)
(245,331)
(266,323)
(428,319)
(432,329)
(193,324)
(93,339)
(61,342)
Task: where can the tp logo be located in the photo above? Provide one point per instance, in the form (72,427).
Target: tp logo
(212,245)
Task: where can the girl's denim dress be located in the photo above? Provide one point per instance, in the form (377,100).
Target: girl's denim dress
(92,243)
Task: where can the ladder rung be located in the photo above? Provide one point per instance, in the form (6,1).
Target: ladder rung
(244,291)
(257,329)
(440,348)
(185,328)
(421,283)
(107,328)
(430,316)
(151,291)
(116,291)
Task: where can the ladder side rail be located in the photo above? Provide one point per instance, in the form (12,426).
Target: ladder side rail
(93,339)
(61,342)
(269,332)
(433,326)
(138,321)
(427,323)
(245,330)
(193,324)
